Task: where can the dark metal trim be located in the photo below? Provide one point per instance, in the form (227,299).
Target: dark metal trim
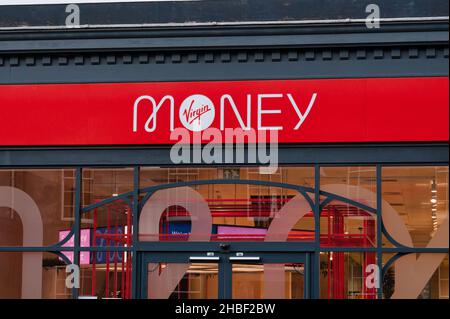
(220,36)
(206,12)
(315,273)
(77,221)
(331,39)
(135,210)
(379,229)
(289,154)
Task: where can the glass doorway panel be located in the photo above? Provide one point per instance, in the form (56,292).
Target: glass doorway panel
(268,281)
(182,280)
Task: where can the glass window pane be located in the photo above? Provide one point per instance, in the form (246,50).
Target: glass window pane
(347,275)
(343,224)
(298,175)
(103,183)
(107,275)
(109,225)
(226,213)
(353,182)
(32,275)
(411,278)
(231,212)
(419,196)
(182,281)
(268,281)
(36,205)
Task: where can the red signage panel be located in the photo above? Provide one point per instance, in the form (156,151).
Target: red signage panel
(301,111)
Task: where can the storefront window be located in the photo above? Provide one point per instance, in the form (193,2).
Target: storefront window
(227,212)
(231,205)
(103,183)
(110,224)
(107,275)
(342,222)
(416,204)
(255,281)
(106,271)
(421,276)
(33,275)
(36,205)
(182,281)
(345,225)
(295,175)
(347,275)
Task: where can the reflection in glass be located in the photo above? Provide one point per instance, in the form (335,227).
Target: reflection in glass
(239,212)
(345,275)
(183,213)
(182,281)
(34,275)
(103,183)
(419,194)
(268,281)
(417,279)
(344,225)
(295,175)
(353,182)
(107,275)
(35,206)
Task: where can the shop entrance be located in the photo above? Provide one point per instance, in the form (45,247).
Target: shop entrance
(225,275)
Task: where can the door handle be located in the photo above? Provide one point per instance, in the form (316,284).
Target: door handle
(242,258)
(204,258)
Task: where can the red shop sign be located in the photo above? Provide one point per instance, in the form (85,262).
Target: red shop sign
(302,111)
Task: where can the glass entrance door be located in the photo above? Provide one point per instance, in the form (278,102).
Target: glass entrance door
(268,276)
(180,276)
(225,275)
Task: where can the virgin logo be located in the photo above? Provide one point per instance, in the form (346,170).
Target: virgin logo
(197,113)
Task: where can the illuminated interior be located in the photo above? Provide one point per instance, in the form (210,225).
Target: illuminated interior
(240,212)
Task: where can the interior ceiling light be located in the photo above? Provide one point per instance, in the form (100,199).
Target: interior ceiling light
(433,186)
(433,201)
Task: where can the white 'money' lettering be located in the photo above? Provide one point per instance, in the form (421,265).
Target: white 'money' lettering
(226,99)
(261,111)
(236,112)
(301,116)
(152,118)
